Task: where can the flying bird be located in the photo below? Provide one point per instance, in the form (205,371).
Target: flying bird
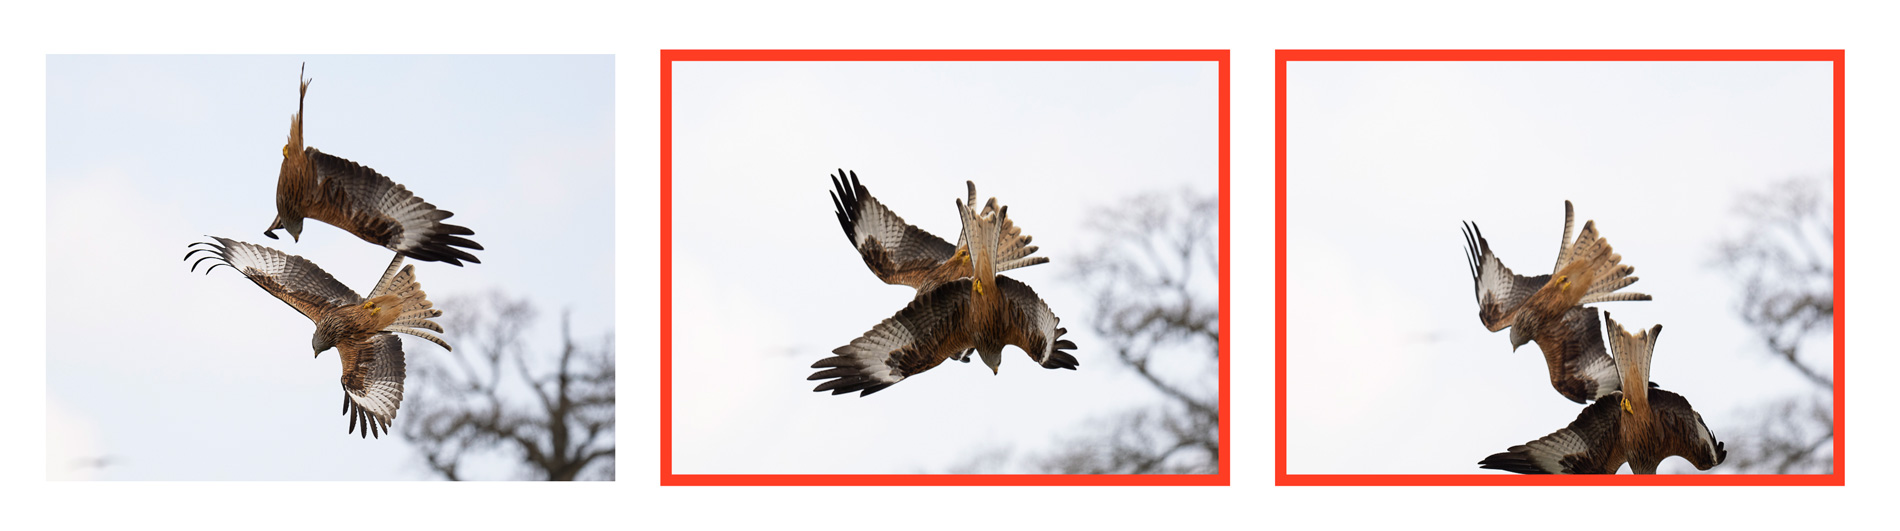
(902,254)
(1642,426)
(358,327)
(1549,309)
(317,185)
(983,311)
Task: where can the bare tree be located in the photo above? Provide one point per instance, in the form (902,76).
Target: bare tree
(1785,263)
(1154,277)
(552,414)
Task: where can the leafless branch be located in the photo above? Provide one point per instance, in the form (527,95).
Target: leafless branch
(1785,266)
(469,406)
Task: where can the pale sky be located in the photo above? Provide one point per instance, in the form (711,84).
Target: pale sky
(765,283)
(178,375)
(1385,159)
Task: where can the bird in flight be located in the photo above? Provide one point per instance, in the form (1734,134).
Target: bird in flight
(1640,426)
(1549,309)
(980,311)
(902,254)
(317,185)
(358,327)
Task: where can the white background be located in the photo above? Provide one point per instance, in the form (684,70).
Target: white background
(635,33)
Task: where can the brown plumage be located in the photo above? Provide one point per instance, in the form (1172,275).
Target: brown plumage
(1641,426)
(1548,308)
(358,327)
(316,185)
(983,311)
(902,254)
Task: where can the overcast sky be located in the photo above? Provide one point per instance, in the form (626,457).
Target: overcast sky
(765,283)
(176,375)
(1389,369)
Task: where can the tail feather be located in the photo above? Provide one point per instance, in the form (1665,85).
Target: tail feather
(400,281)
(1610,273)
(1632,353)
(1563,248)
(418,333)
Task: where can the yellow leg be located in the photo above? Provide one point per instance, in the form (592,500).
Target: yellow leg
(1626,405)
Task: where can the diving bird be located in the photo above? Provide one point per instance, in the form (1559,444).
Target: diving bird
(983,311)
(316,185)
(902,254)
(1549,309)
(358,327)
(1641,426)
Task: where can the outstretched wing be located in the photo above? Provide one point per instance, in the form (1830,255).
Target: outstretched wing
(1688,436)
(932,328)
(1500,292)
(372,382)
(290,278)
(355,198)
(1032,327)
(1580,368)
(1590,445)
(898,252)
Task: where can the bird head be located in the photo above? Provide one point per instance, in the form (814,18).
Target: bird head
(1520,334)
(295,227)
(319,343)
(992,359)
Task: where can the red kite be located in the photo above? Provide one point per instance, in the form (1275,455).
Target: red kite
(1643,426)
(1550,312)
(313,184)
(359,327)
(983,311)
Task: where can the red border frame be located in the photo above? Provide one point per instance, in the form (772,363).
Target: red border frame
(1837,57)
(668,478)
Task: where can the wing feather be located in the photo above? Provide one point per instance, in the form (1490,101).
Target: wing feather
(931,329)
(1687,435)
(292,279)
(1500,292)
(898,252)
(1032,326)
(1589,445)
(357,199)
(373,371)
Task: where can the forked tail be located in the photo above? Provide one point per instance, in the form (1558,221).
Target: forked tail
(1632,354)
(416,310)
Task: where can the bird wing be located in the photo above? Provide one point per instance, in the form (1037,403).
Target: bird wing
(898,252)
(1500,292)
(1580,368)
(932,328)
(1032,327)
(372,382)
(1688,436)
(290,278)
(355,198)
(1589,445)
